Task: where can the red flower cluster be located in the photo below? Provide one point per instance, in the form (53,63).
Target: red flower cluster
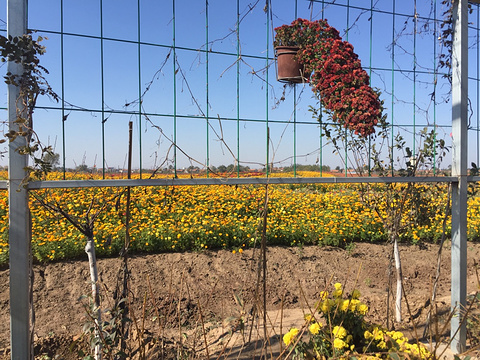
(337,75)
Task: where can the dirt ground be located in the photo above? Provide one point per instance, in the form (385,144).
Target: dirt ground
(202,298)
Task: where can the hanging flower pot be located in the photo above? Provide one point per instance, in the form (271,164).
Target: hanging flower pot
(288,68)
(334,70)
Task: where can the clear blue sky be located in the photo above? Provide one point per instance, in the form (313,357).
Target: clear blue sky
(128,69)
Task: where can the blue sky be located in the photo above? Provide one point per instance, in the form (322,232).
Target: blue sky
(129,67)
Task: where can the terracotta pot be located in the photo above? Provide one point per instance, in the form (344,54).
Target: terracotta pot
(288,68)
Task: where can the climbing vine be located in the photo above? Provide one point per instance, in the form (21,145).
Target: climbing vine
(24,50)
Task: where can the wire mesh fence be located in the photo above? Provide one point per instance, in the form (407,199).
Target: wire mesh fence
(198,80)
(200,85)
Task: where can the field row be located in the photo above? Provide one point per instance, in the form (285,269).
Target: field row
(209,217)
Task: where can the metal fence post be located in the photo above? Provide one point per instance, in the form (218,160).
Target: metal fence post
(459,170)
(19,234)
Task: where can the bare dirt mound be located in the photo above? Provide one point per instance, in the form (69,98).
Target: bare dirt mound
(212,293)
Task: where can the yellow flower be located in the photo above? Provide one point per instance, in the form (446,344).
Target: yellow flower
(397,335)
(339,332)
(290,336)
(326,306)
(377,334)
(339,343)
(315,328)
(362,308)
(338,290)
(401,341)
(353,304)
(323,295)
(343,305)
(309,318)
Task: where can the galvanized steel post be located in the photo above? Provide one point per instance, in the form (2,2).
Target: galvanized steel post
(19,228)
(459,170)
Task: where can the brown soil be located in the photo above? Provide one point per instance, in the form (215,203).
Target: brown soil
(206,297)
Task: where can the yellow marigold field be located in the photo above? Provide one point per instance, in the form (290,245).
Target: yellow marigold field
(184,218)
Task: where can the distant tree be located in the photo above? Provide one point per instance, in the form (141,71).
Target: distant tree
(193,169)
(300,167)
(82,168)
(51,158)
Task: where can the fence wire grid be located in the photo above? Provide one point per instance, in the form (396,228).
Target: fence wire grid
(198,79)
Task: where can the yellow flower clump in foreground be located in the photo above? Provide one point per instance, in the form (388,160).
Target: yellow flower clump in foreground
(342,331)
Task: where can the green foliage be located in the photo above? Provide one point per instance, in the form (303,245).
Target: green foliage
(113,332)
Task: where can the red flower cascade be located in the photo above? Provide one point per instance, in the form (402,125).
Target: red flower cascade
(337,75)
